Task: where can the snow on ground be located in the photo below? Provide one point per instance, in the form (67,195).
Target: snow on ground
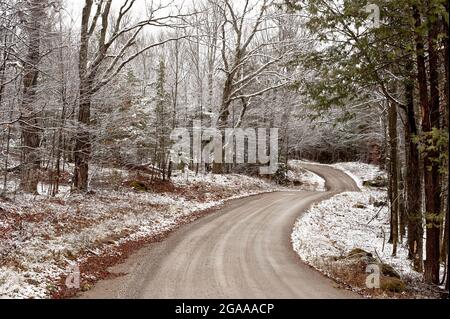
(360,172)
(40,236)
(307,180)
(223,180)
(334,227)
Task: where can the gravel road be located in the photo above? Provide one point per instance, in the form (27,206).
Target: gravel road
(241,251)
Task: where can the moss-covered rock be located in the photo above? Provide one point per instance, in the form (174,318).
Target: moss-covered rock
(139,186)
(86,287)
(392,284)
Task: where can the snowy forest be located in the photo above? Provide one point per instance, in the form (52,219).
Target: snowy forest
(91,90)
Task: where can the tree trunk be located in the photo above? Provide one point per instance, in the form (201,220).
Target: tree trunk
(82,151)
(393,165)
(432,175)
(218,168)
(29,124)
(445,118)
(401,205)
(413,183)
(430,120)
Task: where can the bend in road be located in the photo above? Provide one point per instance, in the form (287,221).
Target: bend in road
(241,251)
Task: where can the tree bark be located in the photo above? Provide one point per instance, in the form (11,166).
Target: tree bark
(401,205)
(29,120)
(413,183)
(432,175)
(430,119)
(82,150)
(445,118)
(393,165)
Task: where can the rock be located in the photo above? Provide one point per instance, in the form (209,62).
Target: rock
(361,257)
(392,284)
(32,282)
(358,253)
(70,255)
(139,186)
(86,287)
(379,203)
(359,205)
(51,288)
(377,182)
(369,260)
(389,271)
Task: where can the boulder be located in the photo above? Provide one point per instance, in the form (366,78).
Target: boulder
(359,205)
(379,203)
(358,253)
(139,186)
(389,271)
(392,284)
(380,181)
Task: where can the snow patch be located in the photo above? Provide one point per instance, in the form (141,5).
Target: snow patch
(360,172)
(350,220)
(307,179)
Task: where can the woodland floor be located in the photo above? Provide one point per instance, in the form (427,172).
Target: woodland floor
(328,232)
(43,238)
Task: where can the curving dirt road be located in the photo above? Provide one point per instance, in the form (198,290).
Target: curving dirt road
(241,251)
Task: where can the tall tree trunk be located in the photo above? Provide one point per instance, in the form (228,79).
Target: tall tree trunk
(393,165)
(218,168)
(413,183)
(2,89)
(432,176)
(430,119)
(445,118)
(401,205)
(82,150)
(29,123)
(60,139)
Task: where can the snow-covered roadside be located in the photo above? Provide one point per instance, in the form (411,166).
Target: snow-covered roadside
(305,179)
(329,230)
(360,172)
(40,237)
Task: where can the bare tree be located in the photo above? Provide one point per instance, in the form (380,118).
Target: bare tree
(246,56)
(105,65)
(35,11)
